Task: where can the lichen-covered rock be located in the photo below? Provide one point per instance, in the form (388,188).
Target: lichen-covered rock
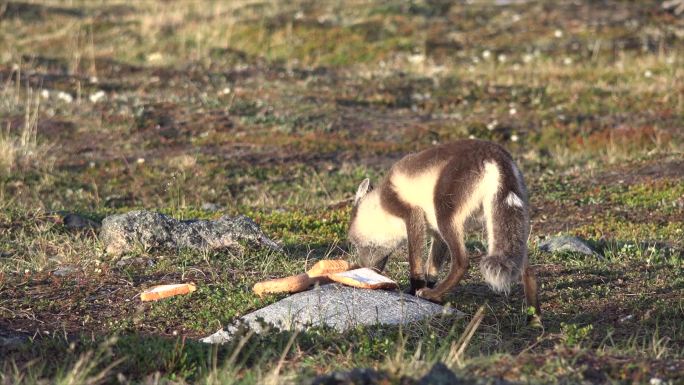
(151,230)
(340,307)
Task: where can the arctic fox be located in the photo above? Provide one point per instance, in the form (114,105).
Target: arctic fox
(436,191)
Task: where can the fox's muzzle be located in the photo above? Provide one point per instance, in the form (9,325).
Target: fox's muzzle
(372,256)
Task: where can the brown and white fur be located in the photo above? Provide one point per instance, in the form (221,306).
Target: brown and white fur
(436,191)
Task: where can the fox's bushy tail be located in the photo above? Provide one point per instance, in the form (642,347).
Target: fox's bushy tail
(500,272)
(508,227)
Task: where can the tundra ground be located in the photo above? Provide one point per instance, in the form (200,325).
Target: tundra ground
(278,111)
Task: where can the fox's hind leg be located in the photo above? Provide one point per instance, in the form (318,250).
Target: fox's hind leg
(530,285)
(438,253)
(459,263)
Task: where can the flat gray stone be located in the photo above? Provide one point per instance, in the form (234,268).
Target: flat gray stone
(338,306)
(567,244)
(123,232)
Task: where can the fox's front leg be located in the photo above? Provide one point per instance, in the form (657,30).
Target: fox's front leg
(415,227)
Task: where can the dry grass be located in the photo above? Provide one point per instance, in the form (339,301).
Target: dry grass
(20,150)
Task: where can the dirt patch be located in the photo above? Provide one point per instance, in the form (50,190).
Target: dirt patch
(651,170)
(34,12)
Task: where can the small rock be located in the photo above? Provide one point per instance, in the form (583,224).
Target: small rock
(340,307)
(77,222)
(151,230)
(11,342)
(97,96)
(64,271)
(357,376)
(440,374)
(563,243)
(211,207)
(139,261)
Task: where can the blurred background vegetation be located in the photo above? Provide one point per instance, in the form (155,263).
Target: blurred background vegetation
(277,110)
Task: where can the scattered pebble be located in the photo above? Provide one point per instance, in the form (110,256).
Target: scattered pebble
(97,96)
(416,59)
(76,222)
(209,206)
(154,57)
(65,97)
(64,271)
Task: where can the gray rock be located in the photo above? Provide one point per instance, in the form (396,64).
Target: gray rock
(340,307)
(139,262)
(151,230)
(355,376)
(209,206)
(77,222)
(11,342)
(567,244)
(64,271)
(440,374)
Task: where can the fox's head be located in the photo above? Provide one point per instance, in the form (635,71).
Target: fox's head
(373,232)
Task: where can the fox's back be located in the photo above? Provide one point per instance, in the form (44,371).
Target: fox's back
(422,178)
(462,154)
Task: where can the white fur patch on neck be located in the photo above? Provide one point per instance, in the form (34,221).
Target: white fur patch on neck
(373,225)
(514,200)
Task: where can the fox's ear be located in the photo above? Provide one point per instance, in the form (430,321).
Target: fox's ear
(363,189)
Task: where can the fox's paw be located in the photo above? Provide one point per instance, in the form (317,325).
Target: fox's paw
(429,294)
